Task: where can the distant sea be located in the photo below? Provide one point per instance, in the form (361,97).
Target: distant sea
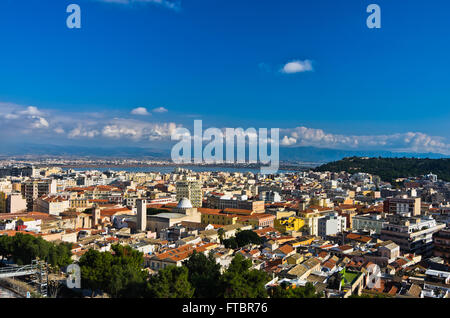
(169,169)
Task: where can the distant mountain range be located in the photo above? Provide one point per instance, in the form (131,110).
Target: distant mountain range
(287,154)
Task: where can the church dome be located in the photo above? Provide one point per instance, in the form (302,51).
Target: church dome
(184,204)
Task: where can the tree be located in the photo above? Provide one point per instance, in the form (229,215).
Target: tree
(115,273)
(221,233)
(170,282)
(204,275)
(239,281)
(246,237)
(242,238)
(285,291)
(230,243)
(24,248)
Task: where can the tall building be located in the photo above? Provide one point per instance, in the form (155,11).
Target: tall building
(332,224)
(34,189)
(96,214)
(442,244)
(402,206)
(15,203)
(191,189)
(141,218)
(412,234)
(27,171)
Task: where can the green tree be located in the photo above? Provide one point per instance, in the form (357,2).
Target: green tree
(242,238)
(221,233)
(119,274)
(24,248)
(247,237)
(230,243)
(170,282)
(203,274)
(239,281)
(285,291)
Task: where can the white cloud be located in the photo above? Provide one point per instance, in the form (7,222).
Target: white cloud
(39,122)
(297,67)
(399,142)
(288,141)
(25,118)
(141,111)
(31,123)
(59,130)
(160,110)
(80,131)
(137,130)
(31,111)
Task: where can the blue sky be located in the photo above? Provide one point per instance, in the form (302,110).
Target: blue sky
(222,61)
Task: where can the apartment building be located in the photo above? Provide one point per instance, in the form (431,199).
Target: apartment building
(332,225)
(442,244)
(15,203)
(412,234)
(191,189)
(36,188)
(402,206)
(232,202)
(368,222)
(53,205)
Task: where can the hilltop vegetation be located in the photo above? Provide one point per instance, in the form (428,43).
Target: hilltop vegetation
(389,169)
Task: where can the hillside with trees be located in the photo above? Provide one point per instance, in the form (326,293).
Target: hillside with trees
(388,169)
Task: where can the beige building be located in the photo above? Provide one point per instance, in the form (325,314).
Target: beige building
(191,189)
(53,205)
(15,203)
(184,211)
(402,206)
(34,189)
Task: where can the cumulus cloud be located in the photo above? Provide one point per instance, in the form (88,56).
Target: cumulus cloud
(27,123)
(160,110)
(401,142)
(25,118)
(288,141)
(81,131)
(141,111)
(297,67)
(39,122)
(137,130)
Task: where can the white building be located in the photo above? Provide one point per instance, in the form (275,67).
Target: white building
(332,225)
(53,205)
(368,222)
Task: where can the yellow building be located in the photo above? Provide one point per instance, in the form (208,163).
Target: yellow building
(304,241)
(291,223)
(295,259)
(213,216)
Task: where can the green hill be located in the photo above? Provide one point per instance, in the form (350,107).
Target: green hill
(389,169)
